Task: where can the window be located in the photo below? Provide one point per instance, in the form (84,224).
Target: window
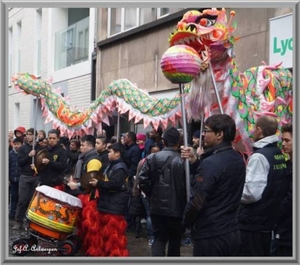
(38,44)
(72,42)
(114,21)
(19,43)
(122,19)
(17,115)
(163,12)
(10,53)
(130,18)
(147,15)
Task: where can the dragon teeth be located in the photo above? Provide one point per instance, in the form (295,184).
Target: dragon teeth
(187,40)
(192,38)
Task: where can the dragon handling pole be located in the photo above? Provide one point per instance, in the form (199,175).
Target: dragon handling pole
(201,130)
(185,142)
(216,89)
(219,103)
(34,126)
(118,127)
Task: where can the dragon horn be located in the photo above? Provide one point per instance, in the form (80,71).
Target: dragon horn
(232,14)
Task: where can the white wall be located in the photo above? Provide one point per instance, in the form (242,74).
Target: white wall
(77,77)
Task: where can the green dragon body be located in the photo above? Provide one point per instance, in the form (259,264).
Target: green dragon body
(263,90)
(120,94)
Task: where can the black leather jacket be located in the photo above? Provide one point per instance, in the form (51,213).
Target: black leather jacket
(162,178)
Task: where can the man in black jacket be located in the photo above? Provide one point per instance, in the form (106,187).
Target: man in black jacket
(14,175)
(284,226)
(28,177)
(73,153)
(162,179)
(133,154)
(87,167)
(55,165)
(101,147)
(216,190)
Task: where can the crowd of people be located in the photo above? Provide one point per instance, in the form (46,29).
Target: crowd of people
(237,206)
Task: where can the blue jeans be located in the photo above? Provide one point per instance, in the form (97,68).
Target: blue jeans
(149,223)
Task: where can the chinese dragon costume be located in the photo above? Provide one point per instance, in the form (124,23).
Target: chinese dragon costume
(263,90)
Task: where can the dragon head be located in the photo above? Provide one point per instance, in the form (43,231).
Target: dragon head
(208,32)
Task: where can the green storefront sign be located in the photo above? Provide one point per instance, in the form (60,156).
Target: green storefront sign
(281,46)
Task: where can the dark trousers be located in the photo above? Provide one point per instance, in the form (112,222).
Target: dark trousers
(255,244)
(281,250)
(14,197)
(27,185)
(136,220)
(166,229)
(128,217)
(224,245)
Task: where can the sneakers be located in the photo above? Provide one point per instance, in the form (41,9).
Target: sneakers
(143,221)
(150,242)
(17,226)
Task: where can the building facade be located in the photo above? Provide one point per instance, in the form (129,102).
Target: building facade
(54,43)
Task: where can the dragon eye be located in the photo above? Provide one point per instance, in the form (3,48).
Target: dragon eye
(205,22)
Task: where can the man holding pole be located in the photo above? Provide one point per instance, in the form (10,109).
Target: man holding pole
(162,179)
(28,177)
(216,190)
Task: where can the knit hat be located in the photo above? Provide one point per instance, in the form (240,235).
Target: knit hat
(141,136)
(171,136)
(20,129)
(196,134)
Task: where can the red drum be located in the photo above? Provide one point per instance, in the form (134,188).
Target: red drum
(53,213)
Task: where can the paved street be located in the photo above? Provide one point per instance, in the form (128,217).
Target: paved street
(138,247)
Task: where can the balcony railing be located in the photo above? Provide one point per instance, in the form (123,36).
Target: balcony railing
(72,44)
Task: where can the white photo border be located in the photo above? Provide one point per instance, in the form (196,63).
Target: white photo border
(139,3)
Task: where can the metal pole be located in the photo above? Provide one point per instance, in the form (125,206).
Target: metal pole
(34,129)
(201,130)
(185,142)
(118,127)
(216,90)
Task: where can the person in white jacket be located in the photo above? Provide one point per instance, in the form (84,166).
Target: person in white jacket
(265,186)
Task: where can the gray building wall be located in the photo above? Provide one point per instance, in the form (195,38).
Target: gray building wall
(136,55)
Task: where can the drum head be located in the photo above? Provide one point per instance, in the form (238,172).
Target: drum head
(38,161)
